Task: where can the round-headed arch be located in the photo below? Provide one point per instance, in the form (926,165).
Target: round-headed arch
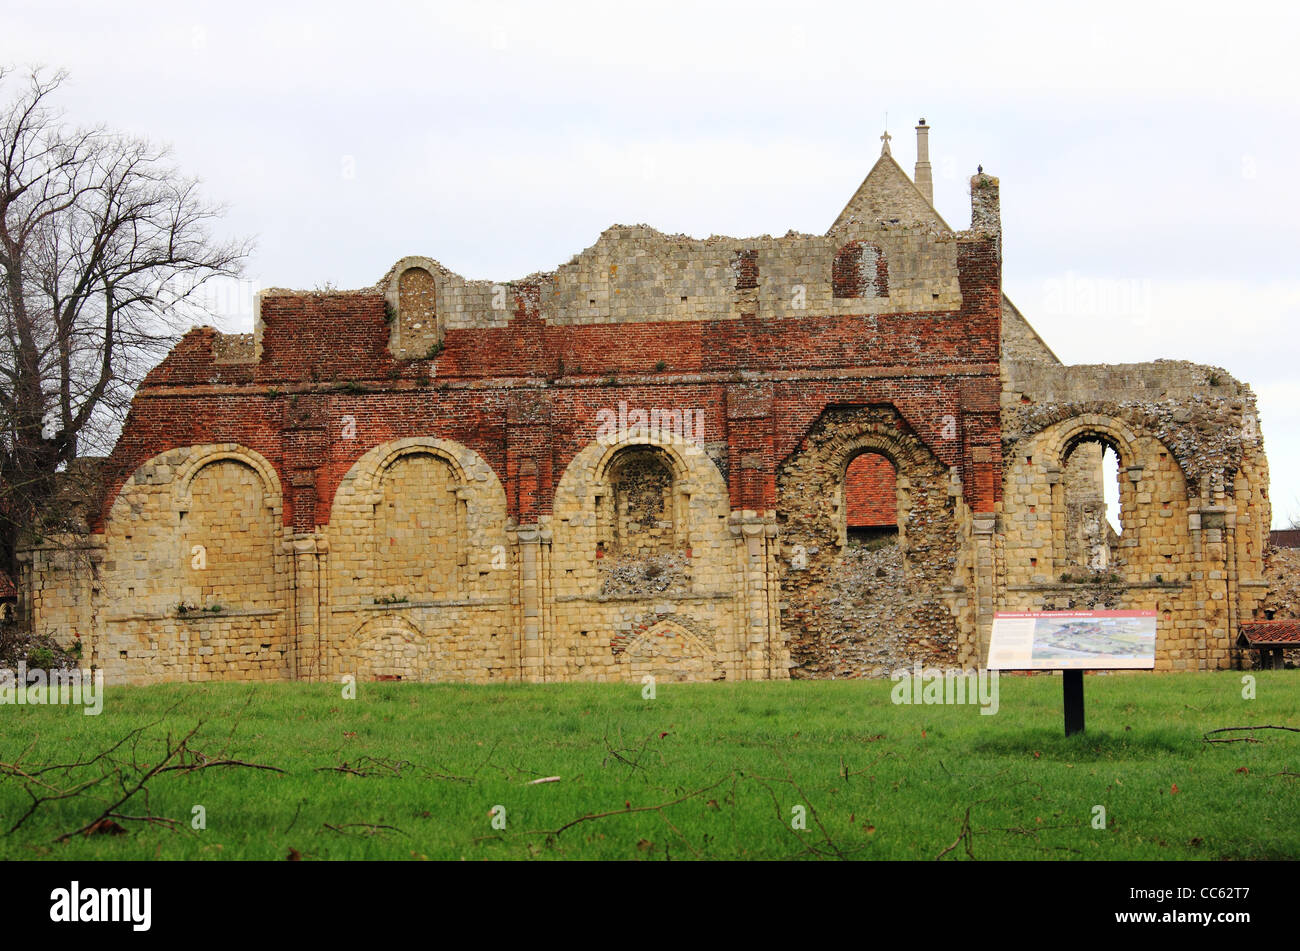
(201,456)
(905,453)
(363,482)
(693,470)
(1094,427)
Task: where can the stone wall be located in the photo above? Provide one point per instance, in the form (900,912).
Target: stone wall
(841,619)
(1193,502)
(573,476)
(648,462)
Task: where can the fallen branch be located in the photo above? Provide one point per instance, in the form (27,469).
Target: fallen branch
(206,763)
(140,783)
(964,836)
(631,809)
(1245,739)
(368,828)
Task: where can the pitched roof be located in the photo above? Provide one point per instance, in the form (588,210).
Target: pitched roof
(887,195)
(1278,633)
(7,589)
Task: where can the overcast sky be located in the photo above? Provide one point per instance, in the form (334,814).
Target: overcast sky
(1149,190)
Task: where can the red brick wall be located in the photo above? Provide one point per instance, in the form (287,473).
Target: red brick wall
(525,396)
(869,492)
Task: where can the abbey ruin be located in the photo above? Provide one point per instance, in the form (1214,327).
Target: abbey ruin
(804,456)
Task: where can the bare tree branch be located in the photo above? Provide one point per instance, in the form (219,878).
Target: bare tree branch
(104,250)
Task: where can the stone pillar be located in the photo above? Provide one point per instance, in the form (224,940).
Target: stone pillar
(307,619)
(982,528)
(533,601)
(764,653)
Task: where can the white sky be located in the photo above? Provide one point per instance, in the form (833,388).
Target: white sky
(1149,199)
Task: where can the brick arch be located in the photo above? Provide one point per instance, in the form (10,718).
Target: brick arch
(870,488)
(905,452)
(859,270)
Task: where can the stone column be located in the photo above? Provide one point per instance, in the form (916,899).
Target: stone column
(982,527)
(307,622)
(534,544)
(764,655)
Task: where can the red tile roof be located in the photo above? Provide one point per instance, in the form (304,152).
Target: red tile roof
(7,589)
(1281,632)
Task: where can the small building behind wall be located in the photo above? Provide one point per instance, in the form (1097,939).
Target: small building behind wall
(1272,639)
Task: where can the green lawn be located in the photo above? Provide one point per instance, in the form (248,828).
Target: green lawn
(726,762)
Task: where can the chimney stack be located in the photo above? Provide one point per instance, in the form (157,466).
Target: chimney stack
(924,180)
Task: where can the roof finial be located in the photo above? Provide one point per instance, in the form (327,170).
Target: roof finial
(884,142)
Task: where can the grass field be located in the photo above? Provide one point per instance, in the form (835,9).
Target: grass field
(715,770)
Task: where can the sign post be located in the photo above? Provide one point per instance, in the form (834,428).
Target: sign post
(1072,642)
(1072,693)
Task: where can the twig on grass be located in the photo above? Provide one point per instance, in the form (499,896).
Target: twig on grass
(367,828)
(139,785)
(1234,729)
(965,836)
(555,833)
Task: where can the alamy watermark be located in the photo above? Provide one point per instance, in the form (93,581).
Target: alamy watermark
(36,687)
(615,427)
(936,685)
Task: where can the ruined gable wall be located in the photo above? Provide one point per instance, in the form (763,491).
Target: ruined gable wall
(483,573)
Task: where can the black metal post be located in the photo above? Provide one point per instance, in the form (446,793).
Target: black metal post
(1072,687)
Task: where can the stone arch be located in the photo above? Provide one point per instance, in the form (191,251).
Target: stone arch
(227,534)
(414,300)
(152,522)
(1106,429)
(389,648)
(201,456)
(472,490)
(870,487)
(858,611)
(638,511)
(1066,537)
(670,650)
(906,453)
(701,504)
(225,500)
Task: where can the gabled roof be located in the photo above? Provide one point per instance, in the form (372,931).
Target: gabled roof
(888,196)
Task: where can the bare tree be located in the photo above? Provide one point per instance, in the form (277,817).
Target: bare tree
(104,248)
